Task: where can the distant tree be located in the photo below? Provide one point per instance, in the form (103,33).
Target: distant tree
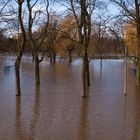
(68,34)
(130,39)
(100,26)
(52,37)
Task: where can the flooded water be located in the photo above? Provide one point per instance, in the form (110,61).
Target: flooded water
(57,111)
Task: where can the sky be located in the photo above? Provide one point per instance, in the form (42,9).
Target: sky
(59,8)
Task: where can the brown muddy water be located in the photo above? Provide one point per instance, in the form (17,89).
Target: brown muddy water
(57,111)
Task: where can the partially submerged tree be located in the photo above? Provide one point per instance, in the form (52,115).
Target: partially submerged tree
(14,19)
(35,16)
(82,11)
(83,20)
(22,44)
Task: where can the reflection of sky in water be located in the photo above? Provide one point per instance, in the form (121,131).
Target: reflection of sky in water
(8,69)
(76,62)
(7,75)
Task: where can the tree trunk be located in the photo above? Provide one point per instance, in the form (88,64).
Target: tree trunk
(138,64)
(70,56)
(84,31)
(138,46)
(137,9)
(51,59)
(33,58)
(17,73)
(85,75)
(20,51)
(88,73)
(101,63)
(37,71)
(54,57)
(137,73)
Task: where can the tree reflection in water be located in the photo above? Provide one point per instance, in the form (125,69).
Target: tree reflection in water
(83,122)
(21,132)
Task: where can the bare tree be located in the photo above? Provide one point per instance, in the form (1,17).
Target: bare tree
(67,35)
(82,11)
(21,48)
(117,32)
(33,16)
(12,17)
(100,27)
(52,37)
